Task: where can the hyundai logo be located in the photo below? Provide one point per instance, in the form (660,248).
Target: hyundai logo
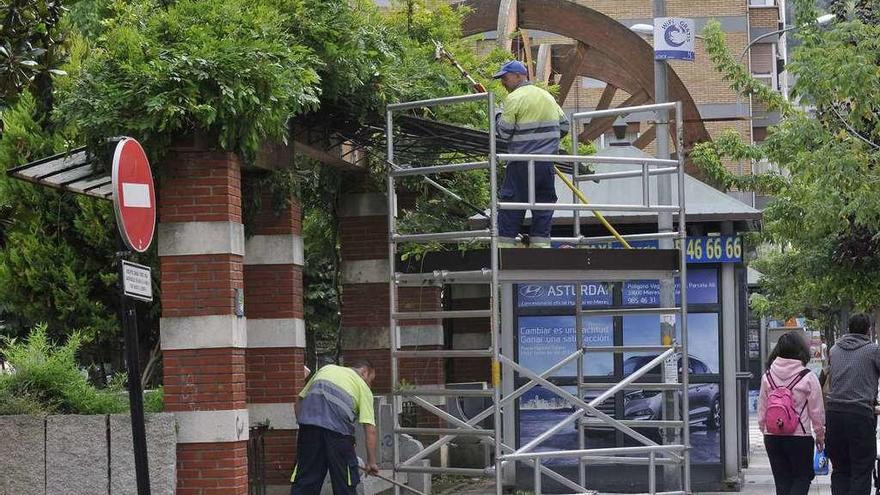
(531,291)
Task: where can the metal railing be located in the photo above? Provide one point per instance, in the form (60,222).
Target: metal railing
(587,413)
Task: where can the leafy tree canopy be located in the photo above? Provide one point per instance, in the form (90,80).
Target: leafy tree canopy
(824,218)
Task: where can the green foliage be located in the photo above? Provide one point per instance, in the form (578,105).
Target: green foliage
(225,68)
(29,49)
(154,400)
(46,378)
(57,263)
(824,217)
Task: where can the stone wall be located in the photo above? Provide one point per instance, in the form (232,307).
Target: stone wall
(83,455)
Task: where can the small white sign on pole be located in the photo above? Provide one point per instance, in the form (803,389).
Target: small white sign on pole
(674,38)
(670,369)
(136,281)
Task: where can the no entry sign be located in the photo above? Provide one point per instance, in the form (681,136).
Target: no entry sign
(134,197)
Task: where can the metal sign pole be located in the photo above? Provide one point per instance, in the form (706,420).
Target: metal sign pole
(128,316)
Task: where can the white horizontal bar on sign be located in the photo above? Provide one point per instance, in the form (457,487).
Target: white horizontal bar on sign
(448,100)
(625,175)
(607,160)
(463,235)
(444,353)
(588,207)
(591,114)
(436,315)
(402,171)
(445,392)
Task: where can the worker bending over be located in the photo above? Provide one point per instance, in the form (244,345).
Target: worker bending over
(332,401)
(532,123)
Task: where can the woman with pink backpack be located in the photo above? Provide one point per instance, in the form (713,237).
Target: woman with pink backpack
(790,412)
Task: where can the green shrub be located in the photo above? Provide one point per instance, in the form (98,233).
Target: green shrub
(154,400)
(46,379)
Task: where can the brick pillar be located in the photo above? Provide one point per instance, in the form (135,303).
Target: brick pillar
(273,275)
(365,309)
(201,250)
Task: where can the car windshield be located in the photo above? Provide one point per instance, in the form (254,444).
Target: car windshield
(634,363)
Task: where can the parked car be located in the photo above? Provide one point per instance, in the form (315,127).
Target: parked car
(704,398)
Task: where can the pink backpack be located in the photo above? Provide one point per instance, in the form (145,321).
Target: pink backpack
(781,417)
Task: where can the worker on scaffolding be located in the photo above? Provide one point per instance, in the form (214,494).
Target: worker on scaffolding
(332,401)
(532,123)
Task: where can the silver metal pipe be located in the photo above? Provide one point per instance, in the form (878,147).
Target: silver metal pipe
(631,311)
(464,235)
(607,160)
(629,237)
(685,357)
(438,169)
(490,411)
(440,413)
(585,408)
(581,207)
(531,181)
(441,470)
(461,432)
(636,423)
(631,461)
(652,386)
(537,471)
(432,102)
(644,370)
(443,392)
(575,179)
(444,277)
(579,343)
(557,454)
(646,185)
(628,348)
(591,114)
(652,474)
(392,288)
(494,323)
(438,315)
(445,353)
(626,175)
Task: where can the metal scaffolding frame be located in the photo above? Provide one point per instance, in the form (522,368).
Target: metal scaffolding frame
(501,269)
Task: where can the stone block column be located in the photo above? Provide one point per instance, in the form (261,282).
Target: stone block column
(201,250)
(273,281)
(365,304)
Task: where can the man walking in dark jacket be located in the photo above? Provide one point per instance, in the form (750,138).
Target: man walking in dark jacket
(850,421)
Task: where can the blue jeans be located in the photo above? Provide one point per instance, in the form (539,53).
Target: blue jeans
(515,188)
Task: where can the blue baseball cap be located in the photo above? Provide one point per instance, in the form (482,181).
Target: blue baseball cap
(514,66)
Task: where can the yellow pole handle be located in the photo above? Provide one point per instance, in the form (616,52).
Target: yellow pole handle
(597,214)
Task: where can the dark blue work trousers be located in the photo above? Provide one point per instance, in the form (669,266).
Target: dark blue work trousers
(319,450)
(515,188)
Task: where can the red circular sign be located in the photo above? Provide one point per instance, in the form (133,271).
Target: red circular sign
(134,197)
